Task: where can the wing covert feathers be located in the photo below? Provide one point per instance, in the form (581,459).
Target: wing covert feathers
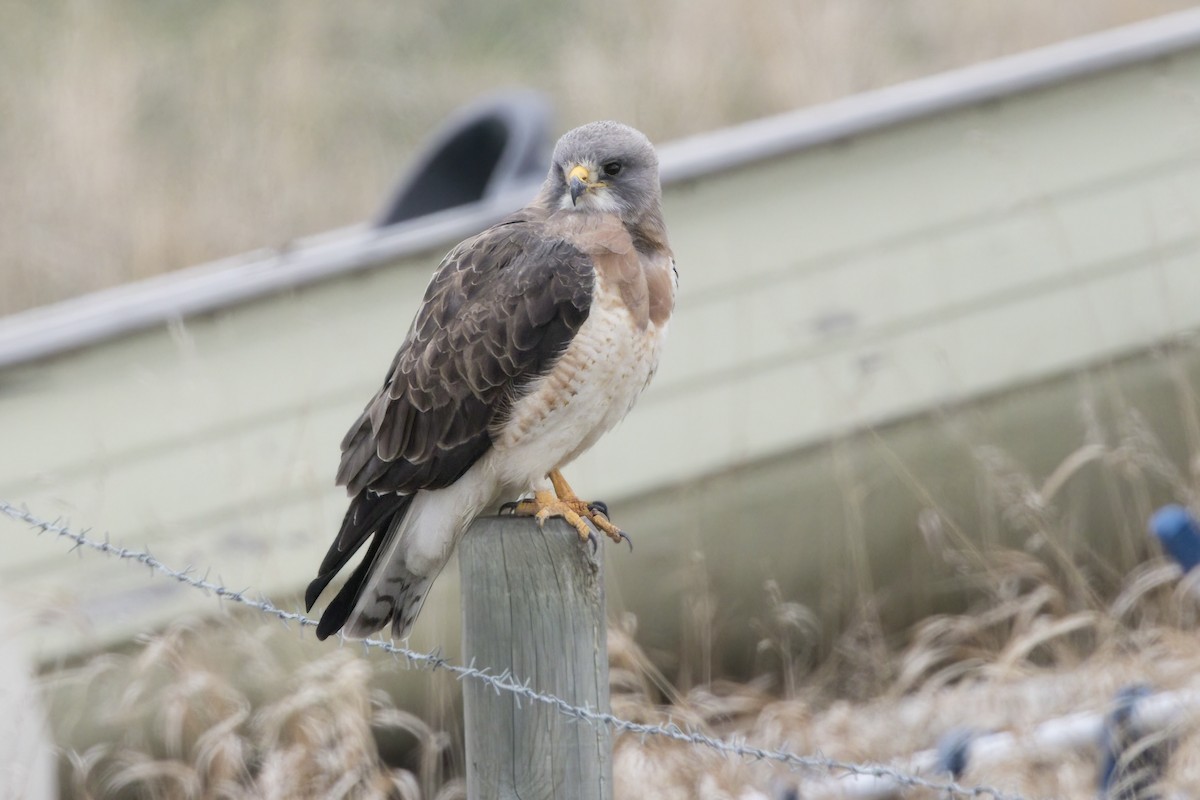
(500,310)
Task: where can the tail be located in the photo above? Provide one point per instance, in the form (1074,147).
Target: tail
(397,595)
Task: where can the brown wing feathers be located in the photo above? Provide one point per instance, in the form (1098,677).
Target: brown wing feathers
(501,308)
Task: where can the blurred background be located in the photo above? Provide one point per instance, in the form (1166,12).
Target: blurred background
(929,376)
(139,138)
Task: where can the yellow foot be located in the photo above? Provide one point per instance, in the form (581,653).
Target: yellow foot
(566,505)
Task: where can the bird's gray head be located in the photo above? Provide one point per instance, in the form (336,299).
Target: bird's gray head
(604,166)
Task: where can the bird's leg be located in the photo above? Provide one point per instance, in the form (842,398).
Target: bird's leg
(565,504)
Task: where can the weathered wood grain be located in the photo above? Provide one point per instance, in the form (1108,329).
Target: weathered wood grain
(533,604)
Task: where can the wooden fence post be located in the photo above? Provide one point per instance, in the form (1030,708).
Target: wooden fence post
(533,603)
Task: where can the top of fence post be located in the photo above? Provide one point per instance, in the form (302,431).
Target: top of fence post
(533,605)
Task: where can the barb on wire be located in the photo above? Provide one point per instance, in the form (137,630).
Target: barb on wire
(506,682)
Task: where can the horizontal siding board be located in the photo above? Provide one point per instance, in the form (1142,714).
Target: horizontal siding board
(208,373)
(1033,250)
(318,349)
(936,173)
(776,407)
(326,322)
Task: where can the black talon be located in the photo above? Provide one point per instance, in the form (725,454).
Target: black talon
(594,541)
(510,507)
(598,507)
(628,541)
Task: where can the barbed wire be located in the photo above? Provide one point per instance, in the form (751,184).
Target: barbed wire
(506,681)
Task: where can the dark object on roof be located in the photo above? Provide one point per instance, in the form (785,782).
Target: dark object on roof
(490,146)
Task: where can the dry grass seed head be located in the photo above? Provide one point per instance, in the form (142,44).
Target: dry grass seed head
(196,703)
(159,779)
(1140,451)
(81,768)
(432,746)
(319,733)
(1031,514)
(632,674)
(222,754)
(1146,593)
(1018,499)
(791,635)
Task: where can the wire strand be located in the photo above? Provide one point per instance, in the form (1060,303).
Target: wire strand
(506,682)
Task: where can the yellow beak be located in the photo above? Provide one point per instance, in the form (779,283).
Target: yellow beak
(577,179)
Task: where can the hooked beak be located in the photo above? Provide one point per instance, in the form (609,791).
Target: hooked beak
(577,180)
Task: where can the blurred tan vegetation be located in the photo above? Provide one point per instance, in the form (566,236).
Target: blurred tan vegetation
(239,708)
(138,137)
(236,707)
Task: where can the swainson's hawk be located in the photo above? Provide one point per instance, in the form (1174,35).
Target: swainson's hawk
(534,338)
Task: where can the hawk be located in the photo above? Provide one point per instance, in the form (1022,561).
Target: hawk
(534,338)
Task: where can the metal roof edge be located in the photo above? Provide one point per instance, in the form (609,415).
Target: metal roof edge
(808,127)
(769,137)
(48,330)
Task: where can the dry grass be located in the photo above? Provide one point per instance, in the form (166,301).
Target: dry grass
(232,709)
(1054,623)
(219,710)
(1051,620)
(172,720)
(1007,665)
(137,138)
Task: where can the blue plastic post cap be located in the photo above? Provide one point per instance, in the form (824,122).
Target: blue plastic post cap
(1179,533)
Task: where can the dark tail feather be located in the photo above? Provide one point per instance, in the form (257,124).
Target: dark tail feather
(372,516)
(338,611)
(367,513)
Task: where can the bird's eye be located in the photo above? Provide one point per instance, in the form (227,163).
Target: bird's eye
(612,168)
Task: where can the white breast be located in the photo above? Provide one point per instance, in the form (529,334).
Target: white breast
(591,388)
